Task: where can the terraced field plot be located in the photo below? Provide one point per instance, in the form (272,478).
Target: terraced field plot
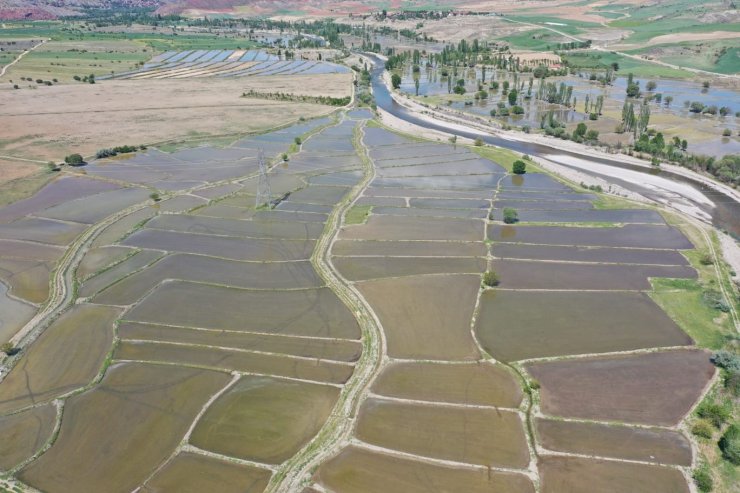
(562,291)
(227,334)
(224,63)
(233,344)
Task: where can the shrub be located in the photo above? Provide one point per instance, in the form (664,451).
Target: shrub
(703,428)
(9,349)
(732,383)
(703,479)
(593,116)
(478,142)
(519,167)
(726,132)
(706,259)
(715,413)
(74,160)
(714,299)
(727,360)
(297,141)
(155,197)
(396,81)
(517,110)
(510,215)
(285,157)
(490,279)
(729,444)
(534,384)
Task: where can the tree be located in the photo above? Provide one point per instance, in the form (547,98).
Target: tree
(155,196)
(510,215)
(729,444)
(580,130)
(519,167)
(490,279)
(668,100)
(74,160)
(633,88)
(478,142)
(396,81)
(651,85)
(517,110)
(513,95)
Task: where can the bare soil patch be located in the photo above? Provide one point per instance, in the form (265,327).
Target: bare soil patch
(113,113)
(653,388)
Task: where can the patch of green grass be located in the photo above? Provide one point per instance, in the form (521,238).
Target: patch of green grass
(683,302)
(504,157)
(568,26)
(601,60)
(358,214)
(537,40)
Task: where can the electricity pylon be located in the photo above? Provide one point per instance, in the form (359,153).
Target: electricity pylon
(264,195)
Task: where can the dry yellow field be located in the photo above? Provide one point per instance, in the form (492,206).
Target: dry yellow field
(50,122)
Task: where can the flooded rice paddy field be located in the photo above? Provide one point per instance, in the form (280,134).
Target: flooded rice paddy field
(224,63)
(180,297)
(205,342)
(573,283)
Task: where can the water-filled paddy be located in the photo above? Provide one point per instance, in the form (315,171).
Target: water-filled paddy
(455,168)
(65,357)
(382,201)
(308,312)
(421,319)
(319,349)
(195,473)
(320,195)
(186,267)
(589,254)
(541,196)
(579,216)
(119,271)
(233,248)
(92,209)
(471,435)
(64,189)
(123,226)
(41,230)
(449,203)
(416,211)
(620,442)
(452,182)
(28,279)
(96,259)
(410,248)
(14,314)
(264,419)
(521,274)
(415,228)
(578,475)
(359,268)
(631,236)
(123,429)
(548,206)
(514,325)
(26,250)
(234,227)
(357,470)
(24,434)
(652,388)
(376,191)
(476,384)
(234,360)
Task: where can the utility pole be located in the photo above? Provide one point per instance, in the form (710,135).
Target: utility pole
(264,195)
